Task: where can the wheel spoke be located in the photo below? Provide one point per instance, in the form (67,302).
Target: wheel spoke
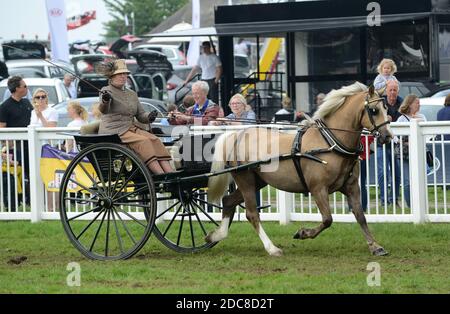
(82,214)
(192,229)
(198,219)
(134,218)
(83,200)
(107,234)
(206,214)
(98,231)
(122,166)
(205,202)
(125,227)
(139,190)
(173,219)
(90,177)
(93,192)
(119,238)
(100,174)
(181,227)
(125,183)
(85,228)
(109,173)
(165,211)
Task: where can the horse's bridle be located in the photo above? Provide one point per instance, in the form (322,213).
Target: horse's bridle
(371,112)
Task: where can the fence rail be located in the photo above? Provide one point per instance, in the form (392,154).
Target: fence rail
(429,188)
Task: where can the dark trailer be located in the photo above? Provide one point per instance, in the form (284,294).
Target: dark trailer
(328,44)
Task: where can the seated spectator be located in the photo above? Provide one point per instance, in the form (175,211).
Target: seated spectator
(444,114)
(202,112)
(79,117)
(240,114)
(78,114)
(42,115)
(287,113)
(188,101)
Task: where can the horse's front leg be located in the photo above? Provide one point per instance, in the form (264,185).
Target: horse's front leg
(321,197)
(353,193)
(229,207)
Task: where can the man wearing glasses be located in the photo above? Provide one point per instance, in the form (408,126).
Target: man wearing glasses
(16,112)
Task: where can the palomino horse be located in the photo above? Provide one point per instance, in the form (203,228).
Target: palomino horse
(332,138)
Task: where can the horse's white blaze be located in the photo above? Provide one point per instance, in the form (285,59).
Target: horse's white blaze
(268,245)
(221,232)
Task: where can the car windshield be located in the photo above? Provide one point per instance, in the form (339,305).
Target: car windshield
(442,93)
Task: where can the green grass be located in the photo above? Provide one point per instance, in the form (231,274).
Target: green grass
(334,262)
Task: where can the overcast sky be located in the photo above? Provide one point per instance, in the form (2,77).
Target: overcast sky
(29,17)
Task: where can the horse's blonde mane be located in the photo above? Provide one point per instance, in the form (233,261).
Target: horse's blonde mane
(334,99)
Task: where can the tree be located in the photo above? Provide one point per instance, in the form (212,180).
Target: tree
(147,15)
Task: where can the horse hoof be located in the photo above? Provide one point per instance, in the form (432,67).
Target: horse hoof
(277,252)
(208,238)
(301,234)
(380,252)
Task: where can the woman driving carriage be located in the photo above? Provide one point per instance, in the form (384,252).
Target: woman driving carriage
(120,106)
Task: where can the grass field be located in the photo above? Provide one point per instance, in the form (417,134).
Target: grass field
(335,262)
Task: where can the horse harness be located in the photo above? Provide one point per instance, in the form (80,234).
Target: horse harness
(335,146)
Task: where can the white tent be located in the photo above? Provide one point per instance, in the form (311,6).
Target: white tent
(181,32)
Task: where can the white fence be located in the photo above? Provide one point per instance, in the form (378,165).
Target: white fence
(430,190)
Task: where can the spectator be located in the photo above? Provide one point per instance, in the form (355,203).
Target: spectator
(202,112)
(384,153)
(16,112)
(241,47)
(188,101)
(211,68)
(43,115)
(95,111)
(410,110)
(120,107)
(10,169)
(240,114)
(68,81)
(386,70)
(444,114)
(79,117)
(287,113)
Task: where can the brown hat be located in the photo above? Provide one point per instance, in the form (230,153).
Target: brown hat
(120,67)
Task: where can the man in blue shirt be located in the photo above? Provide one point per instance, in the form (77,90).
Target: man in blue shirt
(444,114)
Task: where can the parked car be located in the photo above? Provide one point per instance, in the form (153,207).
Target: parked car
(143,84)
(173,54)
(241,66)
(27,73)
(441,91)
(429,106)
(417,88)
(87,102)
(32,54)
(55,88)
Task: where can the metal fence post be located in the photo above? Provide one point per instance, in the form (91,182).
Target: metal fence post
(418,180)
(36,185)
(285,206)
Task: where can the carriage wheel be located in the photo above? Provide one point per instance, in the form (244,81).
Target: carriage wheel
(107,202)
(188,218)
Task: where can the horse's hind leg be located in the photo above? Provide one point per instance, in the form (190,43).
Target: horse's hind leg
(246,182)
(229,207)
(352,191)
(321,197)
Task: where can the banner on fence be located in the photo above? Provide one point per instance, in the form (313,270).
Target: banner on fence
(54,163)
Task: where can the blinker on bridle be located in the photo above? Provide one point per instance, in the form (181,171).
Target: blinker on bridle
(371,112)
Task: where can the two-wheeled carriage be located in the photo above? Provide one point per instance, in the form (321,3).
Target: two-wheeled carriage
(111,203)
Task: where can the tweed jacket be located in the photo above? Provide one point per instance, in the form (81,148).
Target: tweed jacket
(119,114)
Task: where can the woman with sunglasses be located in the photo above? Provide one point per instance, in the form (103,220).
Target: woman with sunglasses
(42,115)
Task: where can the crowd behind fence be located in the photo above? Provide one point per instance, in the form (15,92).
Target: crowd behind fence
(25,198)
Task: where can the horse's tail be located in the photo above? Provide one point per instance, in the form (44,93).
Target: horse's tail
(217,185)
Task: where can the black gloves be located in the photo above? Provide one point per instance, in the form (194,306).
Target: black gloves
(106,97)
(152,116)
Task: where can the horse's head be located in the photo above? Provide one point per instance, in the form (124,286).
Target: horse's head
(375,117)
